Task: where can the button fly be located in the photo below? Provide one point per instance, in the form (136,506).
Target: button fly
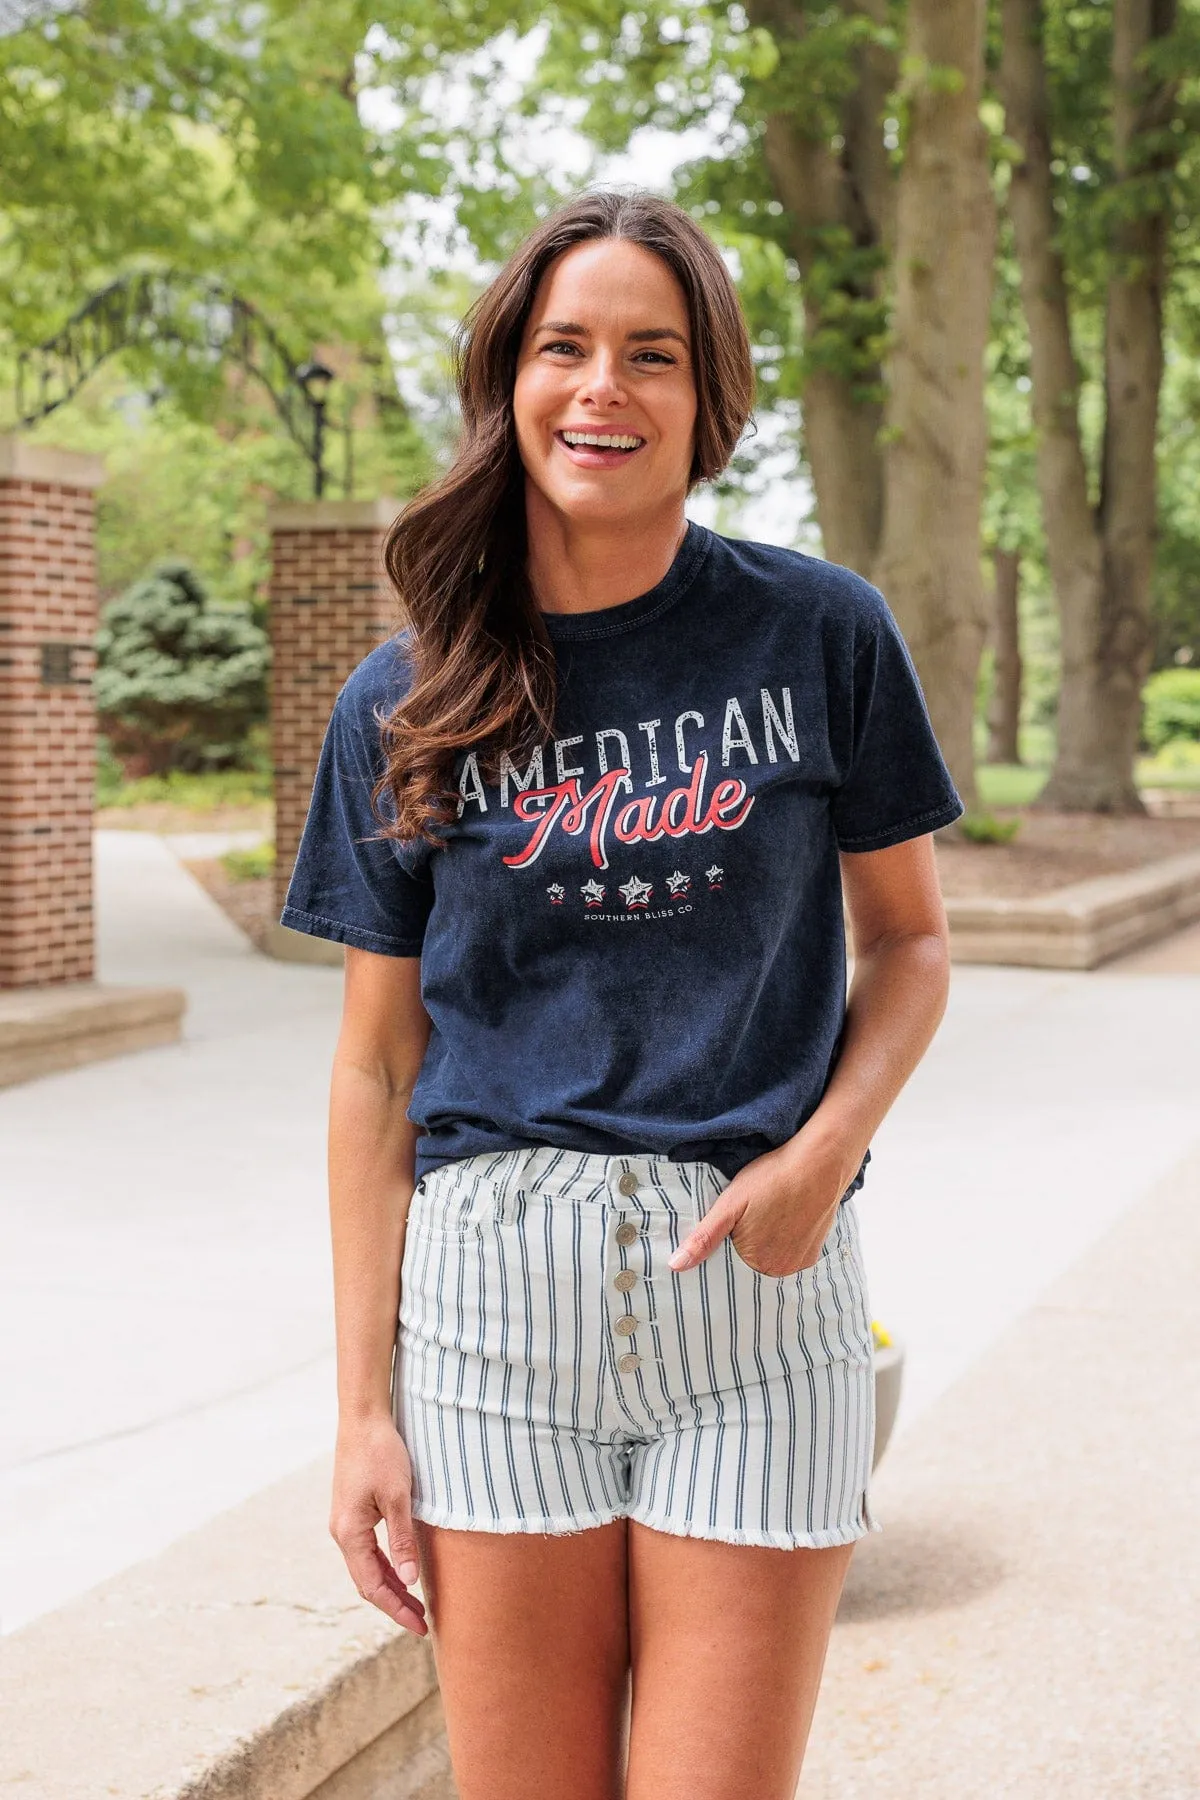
(626,1326)
(628,1363)
(624,1281)
(626,1232)
(628,1184)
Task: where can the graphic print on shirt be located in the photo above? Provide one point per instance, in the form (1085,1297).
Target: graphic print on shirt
(602,807)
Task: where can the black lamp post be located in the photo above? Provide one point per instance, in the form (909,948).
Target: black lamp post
(315,379)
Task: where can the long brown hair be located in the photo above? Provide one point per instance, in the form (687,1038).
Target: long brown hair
(483,665)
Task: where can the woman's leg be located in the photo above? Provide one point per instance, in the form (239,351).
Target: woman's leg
(727,1646)
(531,1638)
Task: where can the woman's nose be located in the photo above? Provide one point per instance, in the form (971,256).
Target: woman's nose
(602,384)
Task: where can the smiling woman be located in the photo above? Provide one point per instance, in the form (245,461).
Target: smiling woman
(600,1103)
(605,404)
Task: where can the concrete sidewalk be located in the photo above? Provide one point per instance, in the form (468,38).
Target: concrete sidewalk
(1027,1627)
(164,1293)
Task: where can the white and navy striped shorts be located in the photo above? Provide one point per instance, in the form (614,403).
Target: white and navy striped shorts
(552,1373)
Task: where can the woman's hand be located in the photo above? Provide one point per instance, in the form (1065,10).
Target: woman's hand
(778,1210)
(372,1481)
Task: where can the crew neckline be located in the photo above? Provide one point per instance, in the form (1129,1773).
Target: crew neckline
(628,615)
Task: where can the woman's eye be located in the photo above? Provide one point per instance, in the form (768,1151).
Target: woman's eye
(658,356)
(563,346)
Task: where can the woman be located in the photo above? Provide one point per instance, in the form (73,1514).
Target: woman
(599,1103)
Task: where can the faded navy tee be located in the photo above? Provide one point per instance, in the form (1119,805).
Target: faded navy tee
(633,943)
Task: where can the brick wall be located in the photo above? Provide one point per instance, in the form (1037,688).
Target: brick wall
(47,713)
(330,605)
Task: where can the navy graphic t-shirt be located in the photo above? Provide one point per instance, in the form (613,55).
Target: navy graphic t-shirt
(634,942)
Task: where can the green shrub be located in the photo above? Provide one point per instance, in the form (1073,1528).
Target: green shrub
(1177,756)
(198,793)
(180,681)
(249,865)
(986,828)
(1171,706)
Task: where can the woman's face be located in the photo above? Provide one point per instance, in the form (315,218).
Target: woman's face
(606,356)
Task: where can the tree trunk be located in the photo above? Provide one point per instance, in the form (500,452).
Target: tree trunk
(929,562)
(1100,561)
(1133,365)
(848,190)
(1072,536)
(1004,709)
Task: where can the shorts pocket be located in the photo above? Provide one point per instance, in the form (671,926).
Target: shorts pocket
(453,1204)
(832,1246)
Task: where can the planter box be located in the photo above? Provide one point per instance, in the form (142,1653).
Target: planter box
(236,1665)
(66,1024)
(1080,926)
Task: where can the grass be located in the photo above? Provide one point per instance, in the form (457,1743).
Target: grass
(1019,784)
(1009,784)
(196,793)
(254,864)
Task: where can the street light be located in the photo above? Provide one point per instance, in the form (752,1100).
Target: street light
(315,379)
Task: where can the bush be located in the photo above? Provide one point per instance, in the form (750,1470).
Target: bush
(1171,706)
(180,681)
(986,828)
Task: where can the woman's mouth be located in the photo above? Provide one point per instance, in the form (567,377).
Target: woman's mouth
(599,449)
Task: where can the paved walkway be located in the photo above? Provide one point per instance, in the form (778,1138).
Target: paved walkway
(1027,1626)
(164,1290)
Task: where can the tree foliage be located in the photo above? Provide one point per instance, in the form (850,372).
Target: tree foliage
(180,680)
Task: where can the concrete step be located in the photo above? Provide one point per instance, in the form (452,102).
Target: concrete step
(66,1024)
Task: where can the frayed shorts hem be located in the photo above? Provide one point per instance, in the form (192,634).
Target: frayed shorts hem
(548,1526)
(766,1540)
(514,1527)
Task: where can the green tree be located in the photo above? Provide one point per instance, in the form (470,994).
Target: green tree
(1095,102)
(180,680)
(849,153)
(209,140)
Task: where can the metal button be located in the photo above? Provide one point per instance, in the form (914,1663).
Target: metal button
(626,1326)
(624,1281)
(626,1232)
(628,1184)
(628,1363)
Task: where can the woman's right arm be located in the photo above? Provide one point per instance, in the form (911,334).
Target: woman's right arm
(372,1159)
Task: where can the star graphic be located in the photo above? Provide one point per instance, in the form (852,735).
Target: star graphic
(556,892)
(637,893)
(593,893)
(715,873)
(679,883)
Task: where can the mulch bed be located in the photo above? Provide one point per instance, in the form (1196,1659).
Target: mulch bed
(1054,850)
(250,904)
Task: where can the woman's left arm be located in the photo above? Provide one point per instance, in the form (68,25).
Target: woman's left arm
(780,1207)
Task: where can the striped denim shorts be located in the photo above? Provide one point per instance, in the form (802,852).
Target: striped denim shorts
(552,1373)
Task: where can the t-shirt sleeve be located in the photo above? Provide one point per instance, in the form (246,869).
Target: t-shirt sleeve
(344,885)
(897,785)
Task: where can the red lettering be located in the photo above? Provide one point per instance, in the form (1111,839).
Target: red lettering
(728,794)
(641,830)
(691,796)
(560,798)
(605,795)
(635,822)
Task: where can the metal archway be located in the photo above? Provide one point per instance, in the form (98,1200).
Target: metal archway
(199,315)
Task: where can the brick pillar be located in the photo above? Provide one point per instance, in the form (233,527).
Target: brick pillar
(47,713)
(330,605)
